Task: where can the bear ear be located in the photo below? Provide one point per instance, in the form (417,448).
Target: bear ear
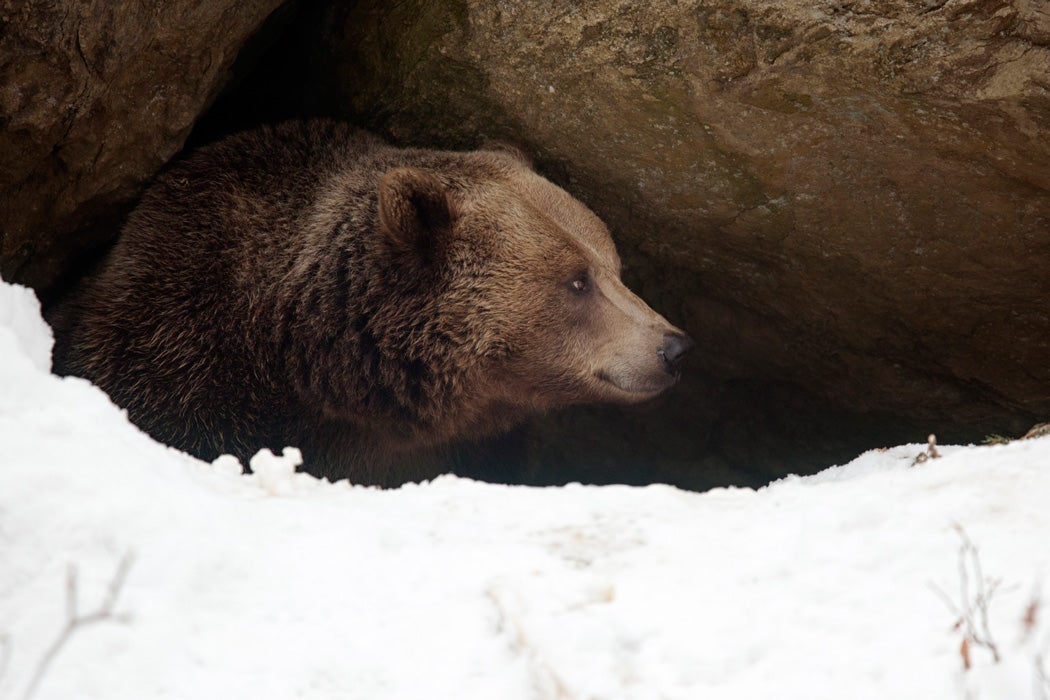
(414,210)
(514,150)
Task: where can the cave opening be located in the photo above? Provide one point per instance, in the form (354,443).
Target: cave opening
(806,356)
(719,427)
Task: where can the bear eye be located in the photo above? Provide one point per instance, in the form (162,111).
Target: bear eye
(581,283)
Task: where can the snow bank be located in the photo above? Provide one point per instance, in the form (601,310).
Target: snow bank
(278,585)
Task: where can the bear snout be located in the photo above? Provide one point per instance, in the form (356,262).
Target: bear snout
(638,375)
(671,350)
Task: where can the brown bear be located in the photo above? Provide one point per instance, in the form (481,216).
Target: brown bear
(310,285)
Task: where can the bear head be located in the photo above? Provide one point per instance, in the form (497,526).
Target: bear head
(525,281)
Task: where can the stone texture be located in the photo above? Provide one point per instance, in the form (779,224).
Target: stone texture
(94,98)
(850,197)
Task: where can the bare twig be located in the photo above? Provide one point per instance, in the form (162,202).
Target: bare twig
(932,446)
(972,611)
(930,453)
(75,621)
(1030,620)
(1038,430)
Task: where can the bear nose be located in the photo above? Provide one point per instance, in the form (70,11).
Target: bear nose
(672,349)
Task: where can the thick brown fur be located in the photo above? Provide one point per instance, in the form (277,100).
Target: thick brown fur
(311,285)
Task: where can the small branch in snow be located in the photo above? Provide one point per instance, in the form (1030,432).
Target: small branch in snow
(930,453)
(75,621)
(995,439)
(1038,430)
(1030,621)
(972,612)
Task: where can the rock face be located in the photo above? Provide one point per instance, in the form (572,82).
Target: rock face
(94,98)
(852,197)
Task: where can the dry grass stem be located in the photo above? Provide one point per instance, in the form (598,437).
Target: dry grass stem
(972,610)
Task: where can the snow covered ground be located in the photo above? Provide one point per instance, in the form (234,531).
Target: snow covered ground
(189,580)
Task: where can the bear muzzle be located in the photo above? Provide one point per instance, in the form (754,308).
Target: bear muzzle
(645,376)
(671,350)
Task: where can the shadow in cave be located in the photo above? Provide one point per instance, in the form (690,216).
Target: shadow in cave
(738,433)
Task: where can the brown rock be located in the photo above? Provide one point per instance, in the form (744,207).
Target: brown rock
(94,98)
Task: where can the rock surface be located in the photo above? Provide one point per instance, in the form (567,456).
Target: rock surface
(850,196)
(94,98)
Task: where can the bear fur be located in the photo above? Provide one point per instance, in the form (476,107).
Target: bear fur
(311,285)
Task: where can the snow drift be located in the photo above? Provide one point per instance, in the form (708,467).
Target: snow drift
(130,570)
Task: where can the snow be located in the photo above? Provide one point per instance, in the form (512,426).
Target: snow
(278,585)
